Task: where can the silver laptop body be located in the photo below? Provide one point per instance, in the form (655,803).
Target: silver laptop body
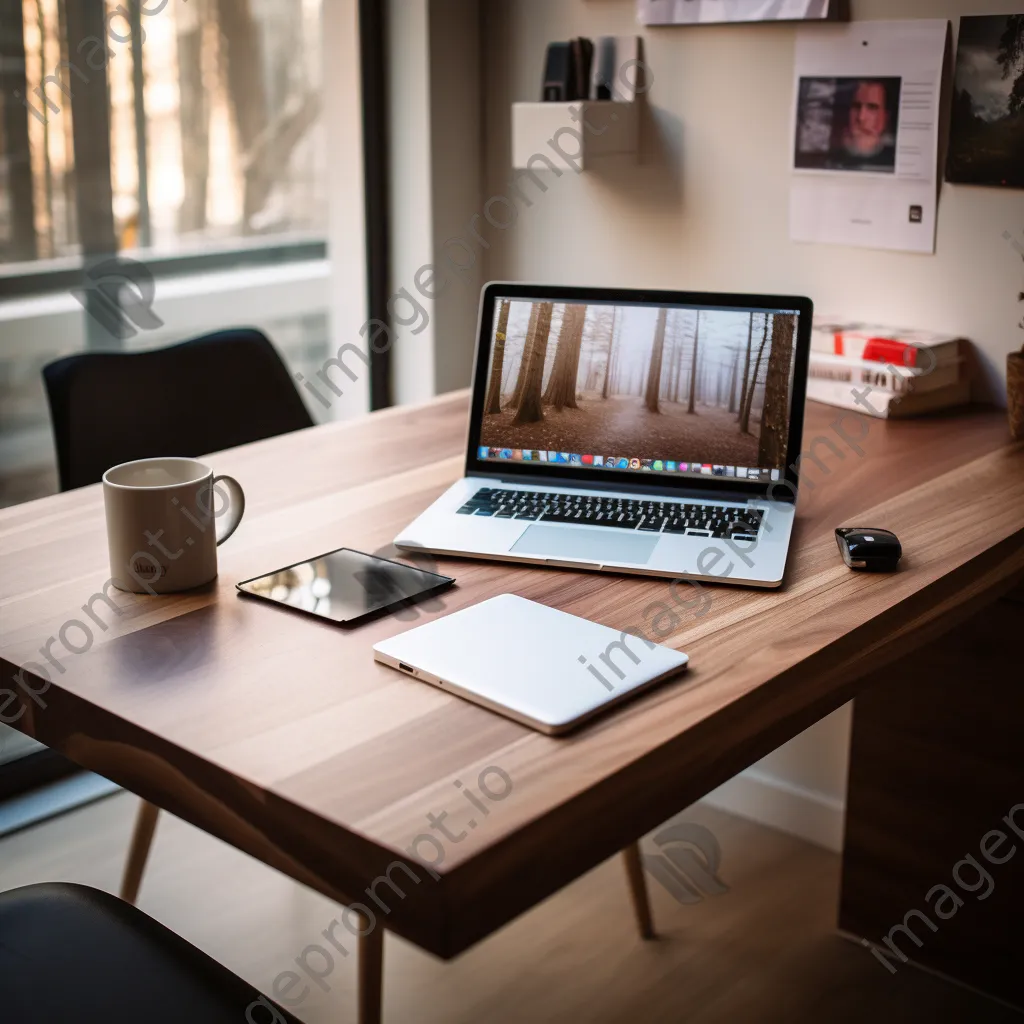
(629,431)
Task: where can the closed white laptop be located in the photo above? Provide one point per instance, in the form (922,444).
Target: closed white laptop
(535,664)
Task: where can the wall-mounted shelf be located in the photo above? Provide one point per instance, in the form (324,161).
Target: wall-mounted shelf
(614,131)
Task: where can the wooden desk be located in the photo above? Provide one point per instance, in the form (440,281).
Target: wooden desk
(283,737)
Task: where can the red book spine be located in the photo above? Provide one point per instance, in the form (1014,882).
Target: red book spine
(878,350)
(885,350)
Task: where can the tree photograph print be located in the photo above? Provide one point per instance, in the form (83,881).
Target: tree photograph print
(640,382)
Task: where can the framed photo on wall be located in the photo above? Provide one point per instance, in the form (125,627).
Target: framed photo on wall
(718,12)
(986,138)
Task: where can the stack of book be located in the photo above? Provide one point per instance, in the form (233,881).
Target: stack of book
(885,372)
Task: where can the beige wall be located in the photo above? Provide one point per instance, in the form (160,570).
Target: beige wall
(347,223)
(410,189)
(458,166)
(707,208)
(436,166)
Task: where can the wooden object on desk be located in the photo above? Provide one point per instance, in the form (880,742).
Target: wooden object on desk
(283,737)
(1015,393)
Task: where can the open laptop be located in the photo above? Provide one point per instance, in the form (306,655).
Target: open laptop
(630,431)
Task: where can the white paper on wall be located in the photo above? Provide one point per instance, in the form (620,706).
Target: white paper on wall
(711,12)
(865,134)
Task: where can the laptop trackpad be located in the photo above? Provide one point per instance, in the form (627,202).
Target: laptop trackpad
(598,545)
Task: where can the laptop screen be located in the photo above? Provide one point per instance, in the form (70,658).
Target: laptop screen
(698,390)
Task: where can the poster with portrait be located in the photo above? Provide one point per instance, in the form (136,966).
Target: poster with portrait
(847,124)
(865,134)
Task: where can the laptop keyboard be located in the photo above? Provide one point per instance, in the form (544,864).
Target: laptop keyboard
(645,515)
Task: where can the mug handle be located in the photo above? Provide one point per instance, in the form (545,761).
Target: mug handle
(237,506)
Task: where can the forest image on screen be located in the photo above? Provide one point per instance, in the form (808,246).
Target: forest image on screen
(639,382)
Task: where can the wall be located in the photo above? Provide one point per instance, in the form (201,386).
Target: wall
(346,227)
(411,182)
(707,208)
(436,165)
(708,205)
(458,167)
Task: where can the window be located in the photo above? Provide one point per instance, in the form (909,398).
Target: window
(185,134)
(201,126)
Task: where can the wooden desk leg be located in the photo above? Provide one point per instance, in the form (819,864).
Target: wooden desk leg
(138,852)
(638,890)
(935,808)
(371,973)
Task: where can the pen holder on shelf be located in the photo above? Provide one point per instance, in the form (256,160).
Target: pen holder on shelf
(1015,393)
(590,107)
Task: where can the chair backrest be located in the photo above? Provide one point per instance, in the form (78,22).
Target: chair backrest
(69,952)
(200,396)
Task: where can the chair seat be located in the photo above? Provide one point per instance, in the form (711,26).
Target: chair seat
(69,953)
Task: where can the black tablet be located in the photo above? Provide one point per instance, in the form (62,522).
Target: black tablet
(346,586)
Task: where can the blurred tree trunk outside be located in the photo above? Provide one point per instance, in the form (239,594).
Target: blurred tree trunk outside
(195,115)
(241,61)
(15,132)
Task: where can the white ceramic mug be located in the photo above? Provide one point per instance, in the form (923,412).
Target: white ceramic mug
(164,523)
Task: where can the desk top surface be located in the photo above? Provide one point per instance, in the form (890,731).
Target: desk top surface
(283,736)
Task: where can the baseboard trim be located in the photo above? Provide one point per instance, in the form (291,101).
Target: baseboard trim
(771,801)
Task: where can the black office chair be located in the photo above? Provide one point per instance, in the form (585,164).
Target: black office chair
(218,391)
(72,953)
(214,392)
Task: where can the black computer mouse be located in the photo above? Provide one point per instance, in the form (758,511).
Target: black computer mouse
(870,549)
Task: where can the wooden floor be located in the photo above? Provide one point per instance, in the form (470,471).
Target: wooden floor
(765,952)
